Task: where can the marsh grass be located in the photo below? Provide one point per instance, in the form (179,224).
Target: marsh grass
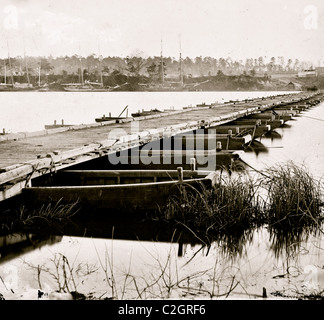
(284,197)
(291,209)
(165,278)
(50,215)
(294,197)
(231,206)
(67,275)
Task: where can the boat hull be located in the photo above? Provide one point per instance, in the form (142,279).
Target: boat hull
(137,195)
(141,159)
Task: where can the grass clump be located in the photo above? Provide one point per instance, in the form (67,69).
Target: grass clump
(284,197)
(231,206)
(294,197)
(49,216)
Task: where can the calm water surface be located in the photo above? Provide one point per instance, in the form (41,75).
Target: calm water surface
(30,111)
(115,267)
(300,140)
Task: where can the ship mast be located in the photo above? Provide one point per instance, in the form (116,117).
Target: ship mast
(26,66)
(180,60)
(11,73)
(5,72)
(81,71)
(162,66)
(100,67)
(39,73)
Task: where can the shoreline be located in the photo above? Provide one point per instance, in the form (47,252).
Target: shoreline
(159,91)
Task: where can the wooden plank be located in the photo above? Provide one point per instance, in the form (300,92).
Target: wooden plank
(32,167)
(12,190)
(140,196)
(132,173)
(205,117)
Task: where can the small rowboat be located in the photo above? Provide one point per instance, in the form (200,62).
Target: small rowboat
(118,189)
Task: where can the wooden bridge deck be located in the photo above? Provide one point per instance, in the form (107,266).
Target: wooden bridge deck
(19,151)
(20,156)
(22,150)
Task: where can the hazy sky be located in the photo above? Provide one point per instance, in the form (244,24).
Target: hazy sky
(216,28)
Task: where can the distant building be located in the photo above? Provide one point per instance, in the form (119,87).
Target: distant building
(320,71)
(294,86)
(307,73)
(282,75)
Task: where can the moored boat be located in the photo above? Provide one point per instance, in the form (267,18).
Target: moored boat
(109,118)
(118,189)
(146,113)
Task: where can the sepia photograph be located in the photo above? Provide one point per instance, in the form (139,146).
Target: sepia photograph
(162,151)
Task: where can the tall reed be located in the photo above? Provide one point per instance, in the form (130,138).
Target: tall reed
(24,218)
(232,205)
(294,197)
(285,196)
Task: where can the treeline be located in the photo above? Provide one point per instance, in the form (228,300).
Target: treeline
(94,68)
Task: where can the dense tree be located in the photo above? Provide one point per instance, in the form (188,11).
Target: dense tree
(289,63)
(252,72)
(94,67)
(134,64)
(161,68)
(152,71)
(45,65)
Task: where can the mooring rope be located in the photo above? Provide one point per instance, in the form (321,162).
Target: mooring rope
(29,176)
(254,169)
(316,179)
(313,118)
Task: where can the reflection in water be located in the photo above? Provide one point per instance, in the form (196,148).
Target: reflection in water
(233,244)
(256,147)
(15,245)
(108,226)
(153,259)
(288,243)
(238,265)
(287,125)
(273,135)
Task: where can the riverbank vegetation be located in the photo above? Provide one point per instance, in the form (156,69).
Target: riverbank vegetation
(138,73)
(295,197)
(284,198)
(46,218)
(284,202)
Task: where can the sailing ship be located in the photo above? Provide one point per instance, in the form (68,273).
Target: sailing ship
(78,87)
(86,85)
(168,85)
(15,86)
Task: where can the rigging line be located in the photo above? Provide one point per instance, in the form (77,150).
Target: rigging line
(256,170)
(316,179)
(313,118)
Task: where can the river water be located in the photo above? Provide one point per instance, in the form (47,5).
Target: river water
(30,111)
(107,264)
